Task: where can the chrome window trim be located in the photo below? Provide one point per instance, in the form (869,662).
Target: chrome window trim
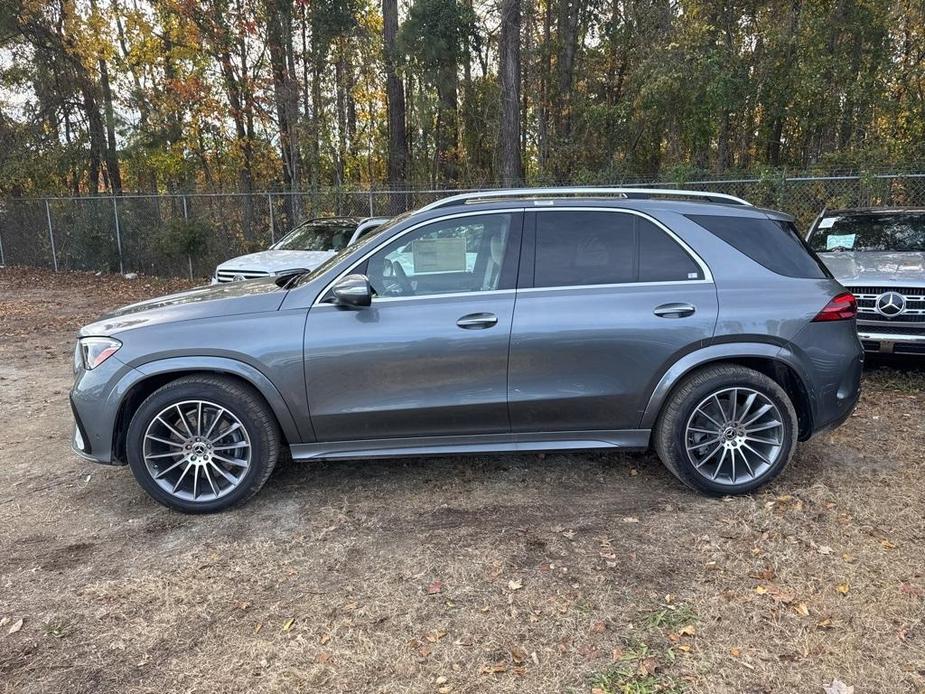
(705,269)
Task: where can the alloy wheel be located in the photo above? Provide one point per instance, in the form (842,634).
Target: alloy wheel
(734,436)
(196,450)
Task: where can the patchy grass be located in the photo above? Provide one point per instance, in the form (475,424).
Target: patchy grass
(489,573)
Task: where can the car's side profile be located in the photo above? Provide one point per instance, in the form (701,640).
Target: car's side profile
(527,320)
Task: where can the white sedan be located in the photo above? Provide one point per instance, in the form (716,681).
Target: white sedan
(303,248)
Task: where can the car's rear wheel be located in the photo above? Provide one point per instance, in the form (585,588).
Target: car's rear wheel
(201,444)
(727,429)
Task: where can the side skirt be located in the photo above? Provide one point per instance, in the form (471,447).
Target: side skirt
(635,439)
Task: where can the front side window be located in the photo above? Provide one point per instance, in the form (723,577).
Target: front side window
(463,254)
(575,248)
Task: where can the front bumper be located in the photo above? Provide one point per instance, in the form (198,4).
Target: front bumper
(892,340)
(95,400)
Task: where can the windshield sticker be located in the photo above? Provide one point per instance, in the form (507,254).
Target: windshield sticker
(833,241)
(828,222)
(439,255)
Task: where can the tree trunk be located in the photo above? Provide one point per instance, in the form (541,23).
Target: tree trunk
(447,135)
(395,106)
(286,98)
(511,166)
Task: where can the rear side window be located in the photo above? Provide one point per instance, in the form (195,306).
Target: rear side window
(575,248)
(773,243)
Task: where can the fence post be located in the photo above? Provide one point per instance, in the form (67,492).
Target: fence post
(2,259)
(371,213)
(115,216)
(189,258)
(51,236)
(272,225)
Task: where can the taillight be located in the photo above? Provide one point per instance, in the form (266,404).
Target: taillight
(842,307)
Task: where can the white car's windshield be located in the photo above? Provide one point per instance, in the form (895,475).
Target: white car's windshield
(899,231)
(364,240)
(317,236)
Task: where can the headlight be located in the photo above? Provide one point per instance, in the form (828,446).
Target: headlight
(95,350)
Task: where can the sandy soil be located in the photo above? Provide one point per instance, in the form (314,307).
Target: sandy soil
(566,572)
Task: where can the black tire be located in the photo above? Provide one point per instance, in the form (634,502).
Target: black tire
(240,400)
(670,431)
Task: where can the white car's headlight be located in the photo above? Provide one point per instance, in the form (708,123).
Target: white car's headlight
(95,350)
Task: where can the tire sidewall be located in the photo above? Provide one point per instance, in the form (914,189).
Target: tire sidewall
(174,393)
(744,379)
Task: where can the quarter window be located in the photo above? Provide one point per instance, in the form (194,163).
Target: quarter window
(661,258)
(463,254)
(773,243)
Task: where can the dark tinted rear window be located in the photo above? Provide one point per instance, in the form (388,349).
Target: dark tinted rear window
(770,242)
(580,248)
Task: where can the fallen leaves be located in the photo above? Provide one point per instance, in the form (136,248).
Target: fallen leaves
(515,584)
(842,588)
(436,586)
(17,625)
(776,593)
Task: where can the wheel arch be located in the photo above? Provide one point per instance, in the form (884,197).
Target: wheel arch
(774,361)
(159,373)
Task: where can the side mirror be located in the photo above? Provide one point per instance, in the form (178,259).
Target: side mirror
(353,290)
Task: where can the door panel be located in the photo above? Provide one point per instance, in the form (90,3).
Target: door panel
(584,355)
(403,367)
(429,356)
(583,358)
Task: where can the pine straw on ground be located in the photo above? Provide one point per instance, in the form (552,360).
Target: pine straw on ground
(566,572)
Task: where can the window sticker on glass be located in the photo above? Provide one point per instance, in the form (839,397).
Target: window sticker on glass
(844,241)
(828,222)
(439,255)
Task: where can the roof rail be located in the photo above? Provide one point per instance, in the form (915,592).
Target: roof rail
(642,193)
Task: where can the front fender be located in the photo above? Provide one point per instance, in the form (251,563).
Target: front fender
(234,367)
(714,353)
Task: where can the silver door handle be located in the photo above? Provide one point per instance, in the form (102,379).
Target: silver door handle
(474,321)
(674,310)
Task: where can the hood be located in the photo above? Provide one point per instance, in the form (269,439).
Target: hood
(233,298)
(276,261)
(876,267)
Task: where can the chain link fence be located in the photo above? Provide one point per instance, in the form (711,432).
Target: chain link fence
(189,234)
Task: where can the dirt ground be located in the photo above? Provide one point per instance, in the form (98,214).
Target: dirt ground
(557,573)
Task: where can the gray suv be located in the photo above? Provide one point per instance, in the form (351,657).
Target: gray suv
(503,321)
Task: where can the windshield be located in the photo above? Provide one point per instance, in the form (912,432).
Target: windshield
(900,231)
(316,236)
(363,241)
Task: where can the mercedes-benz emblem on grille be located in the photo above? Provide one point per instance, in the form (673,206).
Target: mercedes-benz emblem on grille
(238,278)
(890,304)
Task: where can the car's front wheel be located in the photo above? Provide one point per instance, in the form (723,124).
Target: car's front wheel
(202,443)
(727,429)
